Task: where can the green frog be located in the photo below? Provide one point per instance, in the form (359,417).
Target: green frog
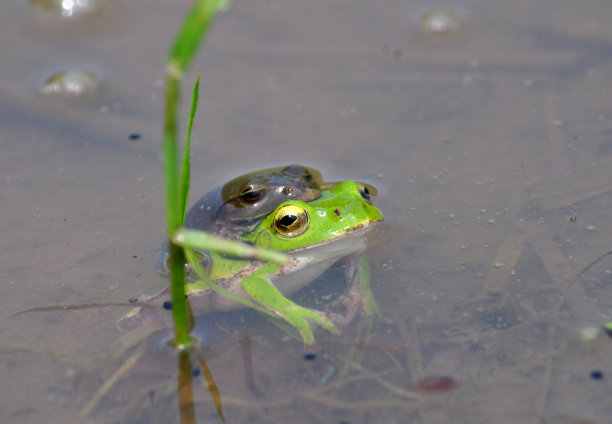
(314,234)
(238,206)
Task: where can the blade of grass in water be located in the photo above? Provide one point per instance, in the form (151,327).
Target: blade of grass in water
(185,181)
(185,389)
(204,241)
(183,49)
(212,387)
(192,32)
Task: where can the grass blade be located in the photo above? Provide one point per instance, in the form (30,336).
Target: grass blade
(203,241)
(191,33)
(185,180)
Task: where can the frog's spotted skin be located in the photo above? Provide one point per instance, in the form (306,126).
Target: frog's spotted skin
(314,234)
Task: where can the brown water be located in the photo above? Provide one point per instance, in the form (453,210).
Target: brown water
(486,144)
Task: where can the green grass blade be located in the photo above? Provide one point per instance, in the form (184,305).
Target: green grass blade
(185,180)
(176,259)
(181,53)
(203,241)
(171,156)
(191,33)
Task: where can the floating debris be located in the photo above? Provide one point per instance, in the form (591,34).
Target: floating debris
(310,356)
(597,375)
(441,383)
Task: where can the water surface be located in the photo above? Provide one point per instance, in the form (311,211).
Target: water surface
(491,149)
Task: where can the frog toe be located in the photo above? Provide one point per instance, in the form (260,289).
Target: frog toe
(301,318)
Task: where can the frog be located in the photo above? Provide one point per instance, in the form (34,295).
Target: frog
(314,235)
(237,206)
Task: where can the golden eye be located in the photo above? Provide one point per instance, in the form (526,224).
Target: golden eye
(291,221)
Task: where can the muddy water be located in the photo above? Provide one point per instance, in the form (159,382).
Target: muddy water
(490,145)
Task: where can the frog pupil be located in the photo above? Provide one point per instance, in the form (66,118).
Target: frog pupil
(365,193)
(287,220)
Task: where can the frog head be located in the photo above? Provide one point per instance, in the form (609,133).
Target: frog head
(343,212)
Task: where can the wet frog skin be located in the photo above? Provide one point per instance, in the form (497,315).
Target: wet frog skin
(314,234)
(240,204)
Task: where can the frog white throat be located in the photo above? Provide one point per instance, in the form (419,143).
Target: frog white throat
(308,263)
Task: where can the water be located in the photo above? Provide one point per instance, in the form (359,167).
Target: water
(490,147)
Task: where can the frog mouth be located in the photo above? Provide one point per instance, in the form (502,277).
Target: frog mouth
(352,240)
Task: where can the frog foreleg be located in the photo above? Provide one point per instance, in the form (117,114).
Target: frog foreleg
(265,293)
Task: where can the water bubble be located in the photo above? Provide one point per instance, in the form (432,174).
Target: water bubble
(440,21)
(71,9)
(589,333)
(71,82)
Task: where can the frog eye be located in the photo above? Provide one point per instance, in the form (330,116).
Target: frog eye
(366,191)
(291,221)
(251,195)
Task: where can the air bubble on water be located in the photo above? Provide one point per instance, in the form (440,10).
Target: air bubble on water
(440,21)
(71,82)
(69,9)
(589,333)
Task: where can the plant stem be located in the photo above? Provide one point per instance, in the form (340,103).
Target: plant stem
(182,52)
(173,221)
